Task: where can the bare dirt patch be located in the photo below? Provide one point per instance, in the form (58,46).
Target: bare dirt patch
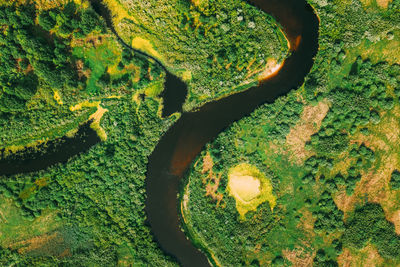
(307,222)
(48,244)
(299,257)
(212,187)
(383,3)
(367,256)
(380,3)
(310,122)
(212,180)
(373,184)
(395,219)
(384,140)
(207,163)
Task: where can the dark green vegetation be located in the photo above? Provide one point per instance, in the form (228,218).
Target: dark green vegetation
(395,180)
(331,149)
(62,66)
(221,44)
(98,197)
(89,212)
(30,56)
(368,224)
(54,59)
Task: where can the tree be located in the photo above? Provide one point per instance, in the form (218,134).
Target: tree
(395,179)
(89,21)
(46,21)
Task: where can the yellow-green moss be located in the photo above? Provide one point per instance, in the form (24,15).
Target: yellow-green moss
(249,187)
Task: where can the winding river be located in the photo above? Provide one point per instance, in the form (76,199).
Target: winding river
(186,138)
(184,141)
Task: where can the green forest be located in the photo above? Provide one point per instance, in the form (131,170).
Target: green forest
(62,67)
(215,46)
(329,149)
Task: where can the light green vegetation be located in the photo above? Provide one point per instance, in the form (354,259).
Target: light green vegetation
(217,47)
(331,147)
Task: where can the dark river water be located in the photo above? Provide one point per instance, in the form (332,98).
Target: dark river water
(187,137)
(53,152)
(184,141)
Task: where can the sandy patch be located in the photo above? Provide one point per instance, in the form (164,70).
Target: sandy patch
(383,3)
(244,187)
(249,187)
(271,68)
(309,124)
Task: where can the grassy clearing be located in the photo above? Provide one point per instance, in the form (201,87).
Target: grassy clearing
(98,58)
(118,11)
(15,227)
(145,46)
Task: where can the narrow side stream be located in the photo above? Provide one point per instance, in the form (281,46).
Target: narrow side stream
(53,152)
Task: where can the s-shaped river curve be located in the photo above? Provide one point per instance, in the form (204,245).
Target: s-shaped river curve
(185,140)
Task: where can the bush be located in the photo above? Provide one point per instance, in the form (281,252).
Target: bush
(368,224)
(46,21)
(395,179)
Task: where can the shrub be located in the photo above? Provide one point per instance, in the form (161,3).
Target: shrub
(395,179)
(368,224)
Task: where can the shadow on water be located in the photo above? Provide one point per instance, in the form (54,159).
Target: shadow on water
(187,137)
(175,90)
(174,95)
(53,152)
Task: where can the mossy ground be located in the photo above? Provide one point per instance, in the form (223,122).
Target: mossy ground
(250,188)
